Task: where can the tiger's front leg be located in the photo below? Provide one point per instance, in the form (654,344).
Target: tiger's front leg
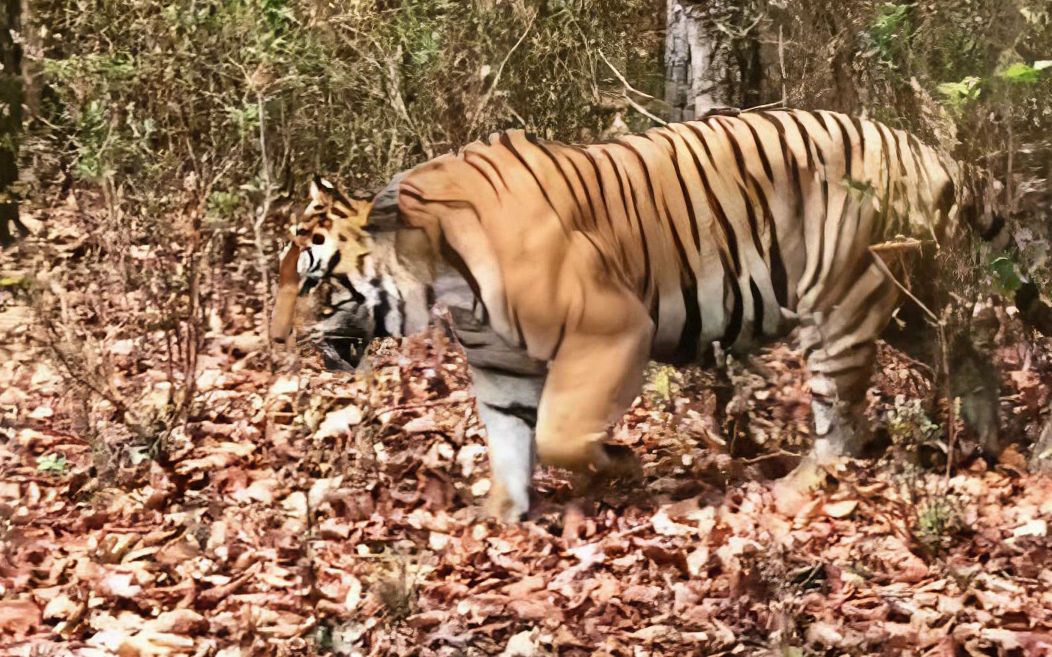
(507,404)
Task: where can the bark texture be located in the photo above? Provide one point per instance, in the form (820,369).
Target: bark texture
(713,57)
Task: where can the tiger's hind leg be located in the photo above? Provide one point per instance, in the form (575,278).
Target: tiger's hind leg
(591,383)
(839,344)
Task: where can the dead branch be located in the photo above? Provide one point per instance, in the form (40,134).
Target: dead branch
(496,76)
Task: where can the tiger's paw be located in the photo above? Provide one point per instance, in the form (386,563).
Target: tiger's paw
(621,463)
(616,466)
(502,506)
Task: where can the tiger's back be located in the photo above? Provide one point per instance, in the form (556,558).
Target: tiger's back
(719,226)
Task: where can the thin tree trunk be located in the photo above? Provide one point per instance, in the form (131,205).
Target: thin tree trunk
(11,95)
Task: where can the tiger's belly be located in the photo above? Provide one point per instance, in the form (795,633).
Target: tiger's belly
(726,325)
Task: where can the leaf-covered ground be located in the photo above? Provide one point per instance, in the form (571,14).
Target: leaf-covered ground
(304,512)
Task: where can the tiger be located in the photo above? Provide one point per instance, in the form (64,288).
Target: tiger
(586,261)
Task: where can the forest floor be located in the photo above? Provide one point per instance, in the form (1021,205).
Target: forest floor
(306,512)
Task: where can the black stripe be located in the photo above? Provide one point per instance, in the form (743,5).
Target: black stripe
(664,214)
(333,262)
(898,154)
(795,184)
(647,283)
(558,341)
(625,262)
(687,349)
(817,116)
(846,280)
(528,414)
(587,192)
(886,166)
(779,277)
(750,214)
(858,313)
(451,202)
(566,179)
(846,144)
(487,160)
(606,208)
(915,152)
(714,204)
(737,312)
(518,328)
(599,184)
(499,369)
(847,352)
(380,312)
(506,142)
(730,269)
(824,181)
(805,137)
(344,281)
(483,174)
(861,130)
(454,259)
(767,169)
(687,200)
(401,314)
(610,271)
(732,139)
(757,309)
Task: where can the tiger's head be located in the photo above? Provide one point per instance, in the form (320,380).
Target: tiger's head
(371,285)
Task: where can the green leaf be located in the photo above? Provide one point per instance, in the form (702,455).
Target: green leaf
(52,464)
(662,383)
(1020,73)
(959,94)
(1005,274)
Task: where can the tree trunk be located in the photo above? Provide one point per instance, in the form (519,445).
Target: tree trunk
(714,56)
(11,95)
(694,76)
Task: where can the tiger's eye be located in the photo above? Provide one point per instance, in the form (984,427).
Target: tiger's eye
(318,239)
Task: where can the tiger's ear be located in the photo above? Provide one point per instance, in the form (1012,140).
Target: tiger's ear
(384,215)
(321,190)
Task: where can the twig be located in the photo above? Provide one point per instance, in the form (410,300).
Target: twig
(883,266)
(621,78)
(772,455)
(496,76)
(951,405)
(257,227)
(781,63)
(628,88)
(642,110)
(419,405)
(940,326)
(773,103)
(394,93)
